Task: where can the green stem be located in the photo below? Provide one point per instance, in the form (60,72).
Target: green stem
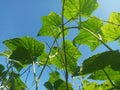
(64,45)
(76,27)
(45,64)
(25,70)
(97,38)
(108,78)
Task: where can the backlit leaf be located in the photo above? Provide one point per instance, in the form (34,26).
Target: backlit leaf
(75,7)
(17,84)
(42,59)
(51,25)
(100,61)
(100,75)
(54,76)
(61,85)
(25,49)
(72,54)
(6,53)
(94,86)
(85,38)
(111,30)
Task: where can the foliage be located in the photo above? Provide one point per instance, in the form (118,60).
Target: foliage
(62,56)
(56,83)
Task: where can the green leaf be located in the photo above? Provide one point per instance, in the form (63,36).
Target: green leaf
(16,83)
(56,83)
(89,86)
(25,49)
(1,69)
(116,66)
(6,53)
(94,86)
(18,65)
(93,23)
(75,7)
(100,61)
(42,59)
(22,55)
(51,25)
(54,76)
(100,75)
(111,30)
(76,71)
(84,37)
(72,54)
(61,85)
(48,85)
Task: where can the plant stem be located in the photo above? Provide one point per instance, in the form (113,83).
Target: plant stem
(48,56)
(97,38)
(64,45)
(92,34)
(106,47)
(108,77)
(26,70)
(35,76)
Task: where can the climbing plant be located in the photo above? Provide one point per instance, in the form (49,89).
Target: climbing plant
(98,72)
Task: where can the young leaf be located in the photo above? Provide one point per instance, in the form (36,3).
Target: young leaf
(84,37)
(75,7)
(111,30)
(51,25)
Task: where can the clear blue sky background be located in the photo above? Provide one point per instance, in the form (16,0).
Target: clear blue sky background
(22,17)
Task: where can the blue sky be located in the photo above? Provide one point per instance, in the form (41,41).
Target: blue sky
(22,17)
